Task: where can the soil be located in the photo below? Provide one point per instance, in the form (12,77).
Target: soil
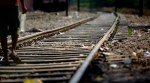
(127,60)
(138,44)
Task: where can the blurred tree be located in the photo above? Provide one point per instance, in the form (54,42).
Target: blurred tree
(67,6)
(115,4)
(78,5)
(141,8)
(147,3)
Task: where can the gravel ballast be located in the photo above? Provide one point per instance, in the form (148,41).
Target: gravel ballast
(38,21)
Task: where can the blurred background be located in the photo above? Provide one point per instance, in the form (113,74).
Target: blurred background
(124,6)
(140,7)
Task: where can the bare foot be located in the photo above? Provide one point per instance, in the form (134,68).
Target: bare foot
(15,58)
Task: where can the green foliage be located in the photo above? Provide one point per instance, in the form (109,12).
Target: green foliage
(130,31)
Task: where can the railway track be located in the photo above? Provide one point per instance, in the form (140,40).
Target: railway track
(113,68)
(55,56)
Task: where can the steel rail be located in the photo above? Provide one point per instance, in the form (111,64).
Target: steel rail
(56,58)
(23,41)
(80,72)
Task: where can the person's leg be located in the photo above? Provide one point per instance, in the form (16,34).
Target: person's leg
(13,31)
(14,38)
(13,26)
(3,33)
(4,49)
(3,41)
(13,53)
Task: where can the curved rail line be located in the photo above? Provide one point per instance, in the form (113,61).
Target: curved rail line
(94,53)
(27,40)
(112,67)
(55,58)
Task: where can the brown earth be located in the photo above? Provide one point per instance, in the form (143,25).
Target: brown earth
(138,44)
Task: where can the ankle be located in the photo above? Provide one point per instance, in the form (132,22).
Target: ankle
(13,52)
(5,58)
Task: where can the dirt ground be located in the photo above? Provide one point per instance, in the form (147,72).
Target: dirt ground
(138,44)
(127,60)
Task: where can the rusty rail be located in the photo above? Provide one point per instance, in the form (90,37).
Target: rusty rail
(80,72)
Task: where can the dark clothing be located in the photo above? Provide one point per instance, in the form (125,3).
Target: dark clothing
(9,20)
(9,2)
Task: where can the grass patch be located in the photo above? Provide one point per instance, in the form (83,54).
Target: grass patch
(130,30)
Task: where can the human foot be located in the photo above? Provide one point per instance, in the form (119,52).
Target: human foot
(5,62)
(15,58)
